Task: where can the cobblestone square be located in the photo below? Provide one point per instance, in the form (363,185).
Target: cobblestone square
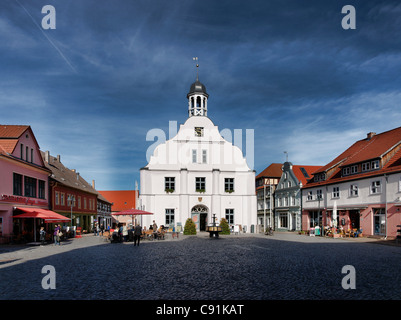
(286,266)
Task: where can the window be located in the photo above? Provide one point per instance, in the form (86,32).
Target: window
(30,187)
(62,198)
(169,216)
(346,171)
(229,185)
(32,155)
(57,196)
(22,151)
(354,169)
(194,156)
(319,195)
(42,190)
(353,190)
(85,203)
(366,166)
(79,202)
(375,187)
(309,196)
(336,192)
(375,164)
(26,153)
(230,216)
(204,156)
(200,184)
(17,184)
(169,184)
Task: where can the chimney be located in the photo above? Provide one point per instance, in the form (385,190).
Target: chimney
(47,156)
(58,158)
(77,175)
(93,184)
(370,135)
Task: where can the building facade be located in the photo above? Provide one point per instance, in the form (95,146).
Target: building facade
(70,194)
(360,189)
(197,174)
(288,199)
(266,183)
(23,180)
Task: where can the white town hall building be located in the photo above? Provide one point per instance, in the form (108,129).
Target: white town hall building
(197,174)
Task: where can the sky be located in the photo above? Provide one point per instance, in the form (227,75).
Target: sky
(111,71)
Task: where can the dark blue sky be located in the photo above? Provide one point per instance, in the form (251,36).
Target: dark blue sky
(112,70)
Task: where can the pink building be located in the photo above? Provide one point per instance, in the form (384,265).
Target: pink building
(23,180)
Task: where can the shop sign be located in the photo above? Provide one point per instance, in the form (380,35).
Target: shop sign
(22,200)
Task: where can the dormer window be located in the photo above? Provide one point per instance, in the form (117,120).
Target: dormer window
(375,164)
(366,166)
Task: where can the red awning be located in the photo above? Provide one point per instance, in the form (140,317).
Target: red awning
(131,212)
(48,215)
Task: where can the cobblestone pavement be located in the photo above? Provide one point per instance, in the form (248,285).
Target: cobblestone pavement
(245,267)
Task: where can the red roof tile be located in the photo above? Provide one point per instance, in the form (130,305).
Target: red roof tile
(121,199)
(300,172)
(272,171)
(12,131)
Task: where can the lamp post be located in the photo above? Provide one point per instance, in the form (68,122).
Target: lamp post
(71,199)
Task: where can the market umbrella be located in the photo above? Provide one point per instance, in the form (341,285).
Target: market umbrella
(131,212)
(334,218)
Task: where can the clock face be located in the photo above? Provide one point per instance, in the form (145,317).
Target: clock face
(198,132)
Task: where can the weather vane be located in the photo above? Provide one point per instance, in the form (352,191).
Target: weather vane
(197,67)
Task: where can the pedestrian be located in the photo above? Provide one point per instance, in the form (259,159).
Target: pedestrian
(42,234)
(137,234)
(154,229)
(95,228)
(102,229)
(56,235)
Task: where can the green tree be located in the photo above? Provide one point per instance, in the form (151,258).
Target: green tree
(225,228)
(190,227)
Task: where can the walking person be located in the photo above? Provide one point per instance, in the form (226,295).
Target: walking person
(137,234)
(56,235)
(42,234)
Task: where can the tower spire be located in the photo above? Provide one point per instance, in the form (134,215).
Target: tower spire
(197,96)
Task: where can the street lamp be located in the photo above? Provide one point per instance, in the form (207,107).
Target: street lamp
(71,199)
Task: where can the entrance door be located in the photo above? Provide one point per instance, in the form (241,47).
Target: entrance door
(379,221)
(199,217)
(203,221)
(354,217)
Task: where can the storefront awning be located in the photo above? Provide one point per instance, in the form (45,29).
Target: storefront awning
(48,215)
